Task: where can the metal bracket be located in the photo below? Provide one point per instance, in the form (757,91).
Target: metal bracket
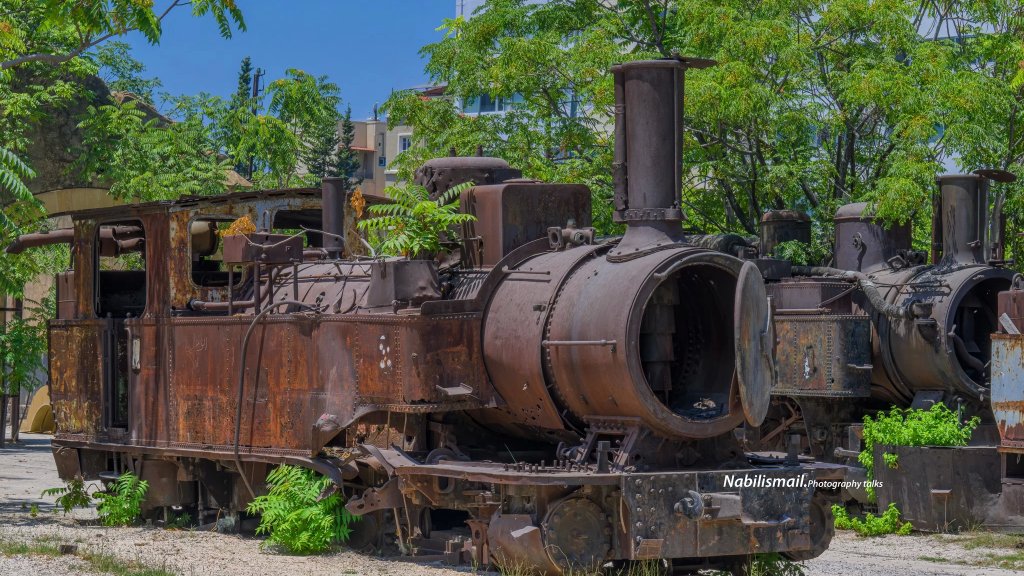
(381,498)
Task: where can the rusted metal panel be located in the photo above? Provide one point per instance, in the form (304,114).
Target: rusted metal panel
(514,213)
(863,243)
(514,329)
(441,174)
(939,488)
(828,355)
(700,514)
(76,360)
(66,298)
(812,295)
(282,397)
(1008,389)
(1011,303)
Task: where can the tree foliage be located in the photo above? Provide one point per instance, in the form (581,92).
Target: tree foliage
(88,23)
(23,348)
(414,224)
(123,73)
(144,159)
(812,104)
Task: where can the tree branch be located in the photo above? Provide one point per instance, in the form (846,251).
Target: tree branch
(85,44)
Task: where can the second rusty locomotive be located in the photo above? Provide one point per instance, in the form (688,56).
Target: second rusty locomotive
(882,327)
(564,402)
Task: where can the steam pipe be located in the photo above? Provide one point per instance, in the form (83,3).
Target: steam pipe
(113,239)
(866,285)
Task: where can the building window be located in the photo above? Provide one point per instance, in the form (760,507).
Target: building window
(404,142)
(487,104)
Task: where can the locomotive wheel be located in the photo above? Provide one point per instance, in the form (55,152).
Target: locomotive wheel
(822,530)
(577,533)
(367,533)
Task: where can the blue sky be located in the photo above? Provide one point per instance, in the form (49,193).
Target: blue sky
(367,47)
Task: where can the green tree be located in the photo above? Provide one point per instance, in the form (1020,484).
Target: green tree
(82,25)
(811,105)
(346,161)
(240,99)
(146,160)
(23,346)
(330,152)
(321,152)
(244,90)
(123,73)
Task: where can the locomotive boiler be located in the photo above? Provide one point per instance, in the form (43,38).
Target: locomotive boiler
(562,401)
(880,327)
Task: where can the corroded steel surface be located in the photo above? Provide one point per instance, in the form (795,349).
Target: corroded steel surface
(1008,389)
(754,344)
(822,355)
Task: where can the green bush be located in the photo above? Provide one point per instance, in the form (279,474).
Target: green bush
(295,513)
(773,564)
(73,494)
(937,426)
(888,523)
(121,504)
(412,224)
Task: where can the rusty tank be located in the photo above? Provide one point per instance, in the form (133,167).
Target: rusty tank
(535,397)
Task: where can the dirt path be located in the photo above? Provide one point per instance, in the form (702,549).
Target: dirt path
(28,469)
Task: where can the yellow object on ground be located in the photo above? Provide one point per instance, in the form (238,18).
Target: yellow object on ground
(39,416)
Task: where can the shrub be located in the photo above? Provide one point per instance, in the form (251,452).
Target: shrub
(300,512)
(937,426)
(413,224)
(73,494)
(121,504)
(888,523)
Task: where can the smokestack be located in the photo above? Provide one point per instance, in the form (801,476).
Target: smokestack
(648,164)
(963,232)
(332,214)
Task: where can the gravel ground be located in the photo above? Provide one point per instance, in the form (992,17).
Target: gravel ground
(25,471)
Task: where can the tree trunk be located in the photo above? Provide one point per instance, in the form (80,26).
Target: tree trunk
(3,419)
(15,417)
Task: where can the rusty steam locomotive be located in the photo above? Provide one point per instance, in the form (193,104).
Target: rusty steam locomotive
(881,327)
(570,402)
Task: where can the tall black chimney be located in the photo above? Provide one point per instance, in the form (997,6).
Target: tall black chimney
(648,165)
